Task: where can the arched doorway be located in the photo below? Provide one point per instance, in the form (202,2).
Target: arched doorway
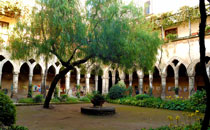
(37,79)
(82,81)
(183,82)
(7,77)
(50,77)
(23,80)
(156,83)
(135,83)
(117,77)
(110,80)
(62,83)
(146,83)
(73,81)
(199,81)
(126,80)
(170,82)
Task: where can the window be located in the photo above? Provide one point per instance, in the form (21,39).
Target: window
(147,7)
(171,31)
(4,25)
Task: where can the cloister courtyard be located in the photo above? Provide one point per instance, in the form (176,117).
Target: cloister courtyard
(68,117)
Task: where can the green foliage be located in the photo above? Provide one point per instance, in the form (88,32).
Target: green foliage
(116,92)
(7,110)
(171,36)
(63,97)
(56,100)
(196,102)
(141,96)
(207,28)
(30,91)
(38,99)
(98,100)
(168,19)
(98,97)
(16,127)
(85,99)
(56,92)
(90,95)
(72,100)
(194,126)
(25,100)
(78,91)
(130,90)
(106,27)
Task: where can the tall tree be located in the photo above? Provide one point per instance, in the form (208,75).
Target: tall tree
(106,31)
(203,62)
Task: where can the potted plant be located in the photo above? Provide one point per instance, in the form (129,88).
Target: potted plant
(98,100)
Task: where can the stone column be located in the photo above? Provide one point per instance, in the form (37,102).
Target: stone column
(87,82)
(43,84)
(103,85)
(107,85)
(163,84)
(67,83)
(0,79)
(15,83)
(150,81)
(96,82)
(130,79)
(191,85)
(78,78)
(141,81)
(113,77)
(176,78)
(30,79)
(122,77)
(208,71)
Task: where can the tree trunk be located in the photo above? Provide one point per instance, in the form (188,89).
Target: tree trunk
(203,63)
(43,86)
(53,85)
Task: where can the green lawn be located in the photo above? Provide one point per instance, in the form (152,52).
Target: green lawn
(68,117)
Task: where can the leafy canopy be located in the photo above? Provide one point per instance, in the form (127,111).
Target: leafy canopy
(105,30)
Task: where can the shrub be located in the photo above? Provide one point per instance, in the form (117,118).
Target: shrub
(98,100)
(116,92)
(30,91)
(56,100)
(17,127)
(25,100)
(198,101)
(38,99)
(142,96)
(72,100)
(63,97)
(56,92)
(7,110)
(130,90)
(85,99)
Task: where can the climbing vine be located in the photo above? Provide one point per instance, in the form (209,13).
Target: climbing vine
(13,8)
(169,19)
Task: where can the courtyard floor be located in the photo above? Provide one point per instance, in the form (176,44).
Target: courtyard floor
(68,117)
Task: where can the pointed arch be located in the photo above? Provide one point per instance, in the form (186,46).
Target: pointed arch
(23,79)
(7,76)
(183,81)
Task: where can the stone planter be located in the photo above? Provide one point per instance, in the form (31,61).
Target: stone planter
(98,103)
